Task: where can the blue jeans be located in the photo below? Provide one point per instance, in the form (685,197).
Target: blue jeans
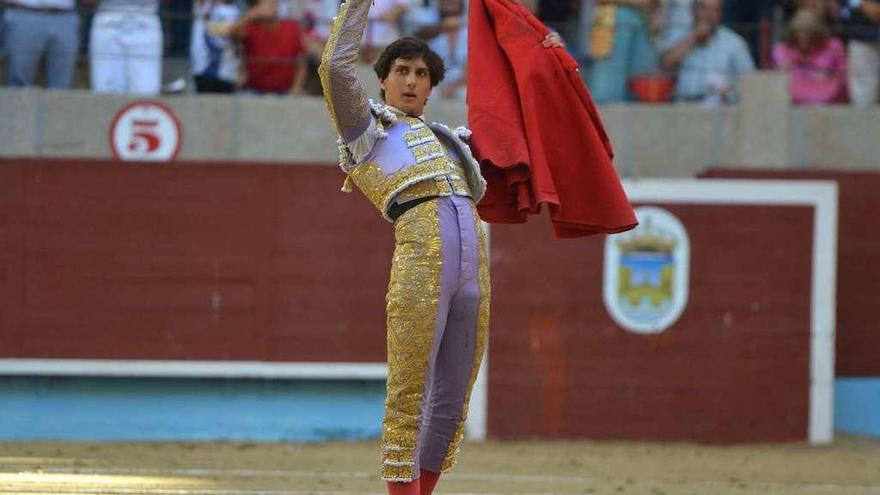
(27,36)
(632,53)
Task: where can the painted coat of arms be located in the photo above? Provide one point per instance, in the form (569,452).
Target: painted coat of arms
(646,272)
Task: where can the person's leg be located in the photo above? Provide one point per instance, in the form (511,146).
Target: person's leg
(203,84)
(222,86)
(404,488)
(427,481)
(864,73)
(25,37)
(62,50)
(106,54)
(207,84)
(143,68)
(460,353)
(422,279)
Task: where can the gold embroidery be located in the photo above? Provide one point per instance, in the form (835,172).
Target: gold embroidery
(368,177)
(439,186)
(422,135)
(424,189)
(460,187)
(456,169)
(412,299)
(414,123)
(433,160)
(381,189)
(481,337)
(455,163)
(428,151)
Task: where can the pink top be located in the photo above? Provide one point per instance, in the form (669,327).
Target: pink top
(816,78)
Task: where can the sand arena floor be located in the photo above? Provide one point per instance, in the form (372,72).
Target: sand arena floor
(848,467)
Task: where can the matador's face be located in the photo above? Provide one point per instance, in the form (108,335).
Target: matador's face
(408,85)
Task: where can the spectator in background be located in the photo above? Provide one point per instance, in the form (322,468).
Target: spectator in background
(125,47)
(532,6)
(863,28)
(316,20)
(619,47)
(274,50)
(318,15)
(213,53)
(443,25)
(710,59)
(828,11)
(744,17)
(383,26)
(290,9)
(451,44)
(34,28)
(815,60)
(177,26)
(676,21)
(427,19)
(422,19)
(560,16)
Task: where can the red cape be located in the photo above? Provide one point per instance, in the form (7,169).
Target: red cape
(536,131)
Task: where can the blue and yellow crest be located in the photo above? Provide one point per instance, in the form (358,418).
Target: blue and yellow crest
(646,272)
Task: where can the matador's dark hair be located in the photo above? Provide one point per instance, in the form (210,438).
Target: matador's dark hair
(410,49)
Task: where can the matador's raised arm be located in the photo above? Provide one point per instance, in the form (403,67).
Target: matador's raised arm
(343,92)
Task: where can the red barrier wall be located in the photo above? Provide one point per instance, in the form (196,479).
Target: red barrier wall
(214,261)
(857,350)
(735,367)
(195,261)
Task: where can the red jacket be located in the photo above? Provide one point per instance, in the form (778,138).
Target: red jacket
(536,131)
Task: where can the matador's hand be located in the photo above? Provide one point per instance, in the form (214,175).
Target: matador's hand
(553,40)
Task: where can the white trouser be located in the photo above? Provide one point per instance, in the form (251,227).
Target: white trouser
(864,72)
(126,53)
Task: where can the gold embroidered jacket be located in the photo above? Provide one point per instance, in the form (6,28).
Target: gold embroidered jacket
(390,156)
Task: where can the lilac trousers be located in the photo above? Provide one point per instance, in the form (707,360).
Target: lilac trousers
(438,322)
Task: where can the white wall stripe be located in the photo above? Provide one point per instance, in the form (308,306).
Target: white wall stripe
(478,411)
(192,369)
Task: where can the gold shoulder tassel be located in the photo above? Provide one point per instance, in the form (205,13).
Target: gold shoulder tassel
(346,186)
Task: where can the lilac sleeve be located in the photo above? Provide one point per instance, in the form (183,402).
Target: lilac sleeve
(343,92)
